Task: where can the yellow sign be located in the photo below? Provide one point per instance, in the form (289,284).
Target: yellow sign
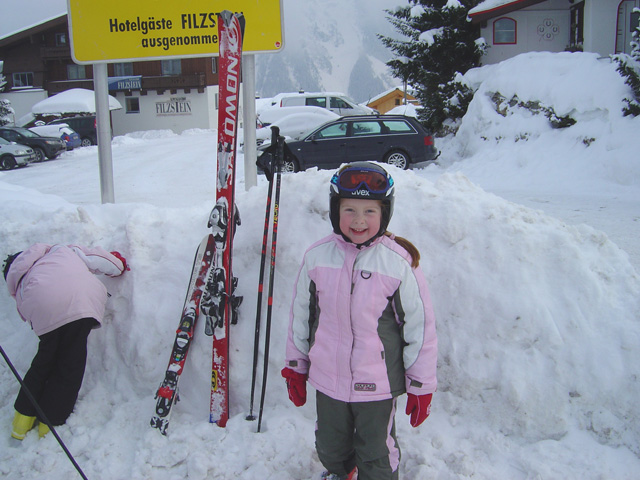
(119,30)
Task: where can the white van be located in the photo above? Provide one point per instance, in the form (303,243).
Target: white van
(336,102)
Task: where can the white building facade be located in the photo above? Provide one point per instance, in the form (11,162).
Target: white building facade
(512,27)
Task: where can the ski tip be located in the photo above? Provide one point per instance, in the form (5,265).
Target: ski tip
(227,15)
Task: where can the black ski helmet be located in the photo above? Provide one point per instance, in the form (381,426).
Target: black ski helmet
(364,180)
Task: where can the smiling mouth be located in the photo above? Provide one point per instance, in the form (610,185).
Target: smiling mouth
(359,231)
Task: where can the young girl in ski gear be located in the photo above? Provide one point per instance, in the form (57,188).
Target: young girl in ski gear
(362,330)
(58,295)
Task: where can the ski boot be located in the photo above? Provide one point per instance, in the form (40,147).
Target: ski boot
(353,475)
(21,425)
(43,429)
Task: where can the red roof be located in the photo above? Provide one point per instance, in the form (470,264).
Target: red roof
(509,7)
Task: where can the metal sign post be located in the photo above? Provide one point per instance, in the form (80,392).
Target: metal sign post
(103,126)
(249,120)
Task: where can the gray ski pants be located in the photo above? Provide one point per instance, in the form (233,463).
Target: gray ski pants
(361,434)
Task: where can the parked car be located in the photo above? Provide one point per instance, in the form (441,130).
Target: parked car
(296,125)
(13,155)
(84,125)
(394,139)
(271,115)
(338,103)
(66,133)
(44,147)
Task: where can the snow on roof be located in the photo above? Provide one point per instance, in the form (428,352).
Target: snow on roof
(28,27)
(488,5)
(391,90)
(75,100)
(29,14)
(384,94)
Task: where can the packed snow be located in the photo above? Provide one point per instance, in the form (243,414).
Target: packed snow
(528,239)
(74,100)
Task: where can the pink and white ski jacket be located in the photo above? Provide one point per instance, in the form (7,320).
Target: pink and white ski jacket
(361,322)
(54,284)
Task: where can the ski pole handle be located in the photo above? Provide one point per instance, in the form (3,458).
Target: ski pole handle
(275,160)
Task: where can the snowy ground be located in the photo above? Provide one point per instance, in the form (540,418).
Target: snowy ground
(528,241)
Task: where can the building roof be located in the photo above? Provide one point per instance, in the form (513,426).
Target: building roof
(33,29)
(388,93)
(495,8)
(27,14)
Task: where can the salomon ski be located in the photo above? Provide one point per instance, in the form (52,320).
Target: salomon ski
(167,394)
(219,304)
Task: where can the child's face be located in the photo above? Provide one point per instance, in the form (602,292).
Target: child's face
(360,219)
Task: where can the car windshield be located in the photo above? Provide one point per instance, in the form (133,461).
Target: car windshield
(332,131)
(336,102)
(3,141)
(26,132)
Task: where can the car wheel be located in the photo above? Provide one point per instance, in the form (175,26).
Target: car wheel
(397,158)
(7,162)
(40,156)
(290,165)
(86,142)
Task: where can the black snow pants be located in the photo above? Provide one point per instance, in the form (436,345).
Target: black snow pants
(55,376)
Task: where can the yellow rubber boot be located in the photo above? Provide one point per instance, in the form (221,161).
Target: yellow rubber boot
(21,425)
(43,429)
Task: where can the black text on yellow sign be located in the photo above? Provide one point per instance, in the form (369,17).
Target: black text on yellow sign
(157,33)
(144,29)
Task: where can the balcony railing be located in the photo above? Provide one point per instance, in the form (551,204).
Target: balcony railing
(195,81)
(175,81)
(63,51)
(62,85)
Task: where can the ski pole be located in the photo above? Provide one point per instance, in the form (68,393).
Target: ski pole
(41,413)
(278,164)
(274,139)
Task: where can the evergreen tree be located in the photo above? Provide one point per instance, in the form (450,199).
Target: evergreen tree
(440,43)
(5,106)
(3,80)
(6,112)
(629,67)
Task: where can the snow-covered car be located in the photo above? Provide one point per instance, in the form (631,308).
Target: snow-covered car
(296,125)
(337,102)
(64,131)
(13,155)
(269,115)
(85,125)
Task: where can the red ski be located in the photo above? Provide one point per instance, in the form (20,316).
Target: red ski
(167,394)
(219,303)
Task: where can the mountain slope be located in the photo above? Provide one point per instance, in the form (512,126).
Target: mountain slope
(331,46)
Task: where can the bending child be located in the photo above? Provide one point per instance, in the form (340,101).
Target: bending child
(362,330)
(58,295)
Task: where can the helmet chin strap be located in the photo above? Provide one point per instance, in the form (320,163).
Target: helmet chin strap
(365,244)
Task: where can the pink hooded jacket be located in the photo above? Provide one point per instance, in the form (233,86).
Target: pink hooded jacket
(53,284)
(361,323)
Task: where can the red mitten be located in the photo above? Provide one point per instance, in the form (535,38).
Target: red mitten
(419,407)
(122,259)
(296,386)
